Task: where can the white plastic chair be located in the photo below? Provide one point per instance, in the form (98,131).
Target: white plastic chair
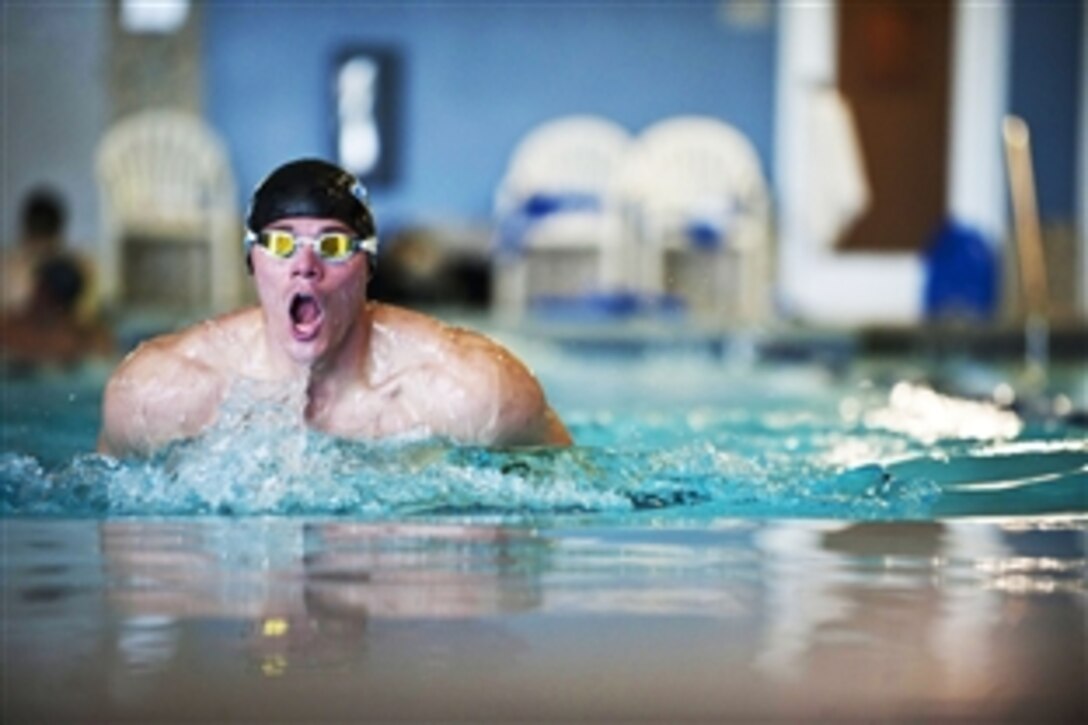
(170,225)
(697,200)
(559,233)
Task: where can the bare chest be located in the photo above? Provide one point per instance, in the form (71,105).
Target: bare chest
(399,409)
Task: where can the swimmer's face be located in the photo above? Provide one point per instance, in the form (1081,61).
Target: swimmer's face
(310,304)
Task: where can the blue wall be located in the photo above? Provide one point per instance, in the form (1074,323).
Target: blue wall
(53,110)
(476,77)
(1047,43)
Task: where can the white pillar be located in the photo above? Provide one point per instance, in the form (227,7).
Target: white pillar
(806,56)
(977,188)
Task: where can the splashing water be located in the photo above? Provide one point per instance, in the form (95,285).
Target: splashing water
(315,475)
(900,453)
(257,469)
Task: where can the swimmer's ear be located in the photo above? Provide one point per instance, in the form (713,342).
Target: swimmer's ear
(249,262)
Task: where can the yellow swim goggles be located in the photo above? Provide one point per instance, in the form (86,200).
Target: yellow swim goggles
(330,246)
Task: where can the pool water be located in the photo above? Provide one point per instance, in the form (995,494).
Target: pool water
(679,436)
(729,539)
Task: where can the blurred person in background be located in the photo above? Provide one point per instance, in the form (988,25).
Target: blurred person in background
(46,328)
(42,237)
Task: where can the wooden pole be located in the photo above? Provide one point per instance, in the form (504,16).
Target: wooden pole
(1029,245)
(1029,240)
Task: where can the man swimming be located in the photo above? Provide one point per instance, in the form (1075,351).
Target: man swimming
(369,370)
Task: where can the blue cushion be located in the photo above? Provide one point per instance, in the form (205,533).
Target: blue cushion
(961,275)
(514,228)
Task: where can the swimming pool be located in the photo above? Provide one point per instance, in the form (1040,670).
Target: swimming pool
(736,535)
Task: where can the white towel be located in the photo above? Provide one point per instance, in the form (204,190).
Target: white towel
(836,189)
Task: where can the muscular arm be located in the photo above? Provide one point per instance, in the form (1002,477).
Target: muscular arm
(524,416)
(158,395)
(505,403)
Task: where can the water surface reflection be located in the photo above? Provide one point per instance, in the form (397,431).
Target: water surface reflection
(195,618)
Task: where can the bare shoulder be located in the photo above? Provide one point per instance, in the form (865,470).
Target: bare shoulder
(478,389)
(428,341)
(166,389)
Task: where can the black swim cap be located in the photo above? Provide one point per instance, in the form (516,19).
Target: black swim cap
(313,188)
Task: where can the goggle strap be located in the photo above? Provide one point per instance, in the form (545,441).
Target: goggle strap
(368,245)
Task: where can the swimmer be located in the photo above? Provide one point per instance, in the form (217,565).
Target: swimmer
(370,371)
(47,329)
(43,238)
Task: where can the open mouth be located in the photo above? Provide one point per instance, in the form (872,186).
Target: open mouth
(306,316)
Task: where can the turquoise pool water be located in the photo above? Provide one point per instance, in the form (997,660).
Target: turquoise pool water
(685,434)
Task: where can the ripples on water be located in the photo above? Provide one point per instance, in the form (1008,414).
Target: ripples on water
(864,453)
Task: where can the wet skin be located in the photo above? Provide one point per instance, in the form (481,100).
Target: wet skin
(367,370)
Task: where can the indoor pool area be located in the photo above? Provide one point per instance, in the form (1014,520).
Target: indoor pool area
(488,361)
(746,529)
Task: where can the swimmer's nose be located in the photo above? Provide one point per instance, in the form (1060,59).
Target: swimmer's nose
(305,262)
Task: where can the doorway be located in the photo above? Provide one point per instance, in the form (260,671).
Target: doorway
(893,60)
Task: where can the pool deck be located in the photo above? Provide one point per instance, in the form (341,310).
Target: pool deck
(785,342)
